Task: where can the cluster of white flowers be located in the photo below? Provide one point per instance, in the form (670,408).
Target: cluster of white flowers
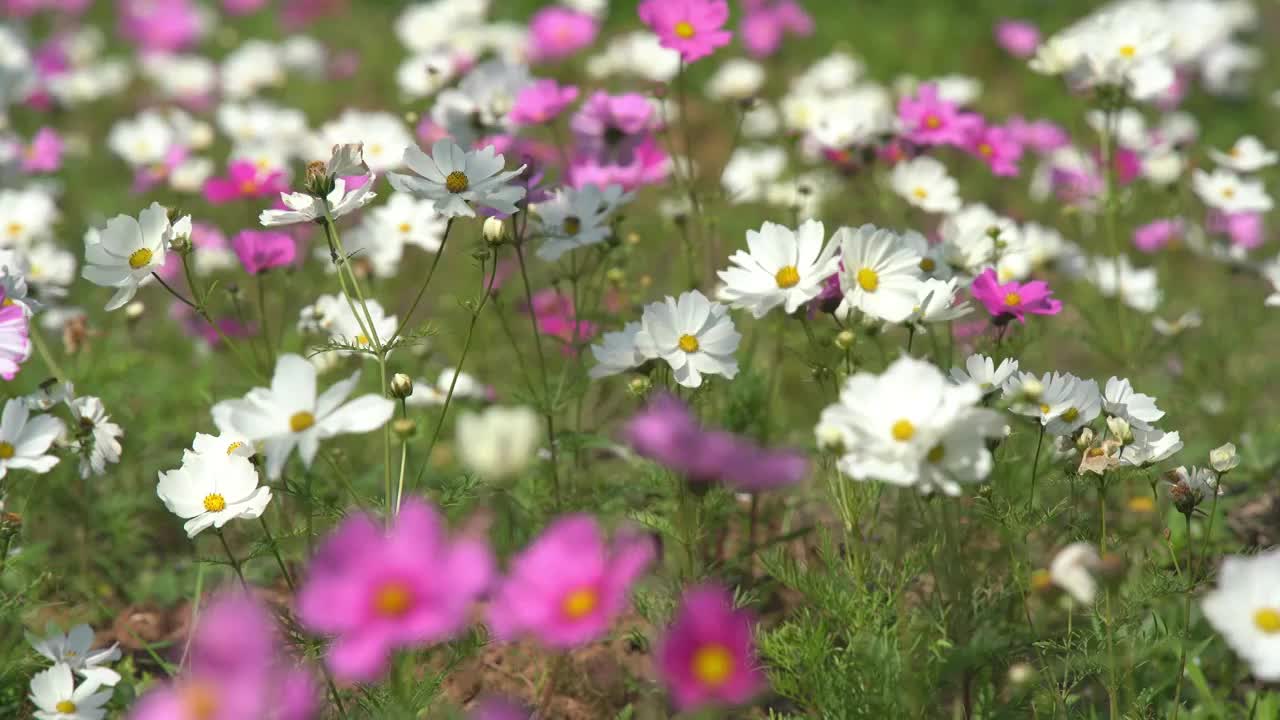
(54,691)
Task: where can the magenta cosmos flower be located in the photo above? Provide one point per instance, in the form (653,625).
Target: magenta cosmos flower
(44,154)
(1019,38)
(1245,230)
(556,33)
(611,127)
(927,119)
(244,180)
(159,25)
(667,433)
(649,165)
(376,591)
(707,656)
(542,102)
(261,250)
(1157,234)
(693,28)
(1013,299)
(569,585)
(766,22)
(997,147)
(15,342)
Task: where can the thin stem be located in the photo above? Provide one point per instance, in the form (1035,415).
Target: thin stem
(275,550)
(42,349)
(542,367)
(177,294)
(1035,465)
(1186,628)
(235,562)
(425,283)
(262,320)
(1112,686)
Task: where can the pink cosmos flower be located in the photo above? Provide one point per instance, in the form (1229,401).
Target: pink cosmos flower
(378,590)
(569,585)
(159,25)
(1041,136)
(693,28)
(497,708)
(707,656)
(997,148)
(649,165)
(927,119)
(26,8)
(1246,230)
(243,7)
(1156,235)
(146,178)
(196,326)
(261,250)
(667,433)
(244,180)
(44,154)
(1019,38)
(766,22)
(15,342)
(297,14)
(1013,299)
(554,313)
(611,127)
(541,102)
(556,33)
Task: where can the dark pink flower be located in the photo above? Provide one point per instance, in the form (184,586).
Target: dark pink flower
(693,28)
(159,25)
(556,318)
(542,102)
(244,180)
(1245,230)
(1040,135)
(927,119)
(1019,38)
(997,148)
(611,127)
(261,250)
(649,165)
(1013,299)
(766,22)
(44,153)
(707,656)
(569,585)
(556,33)
(1156,235)
(378,590)
(15,340)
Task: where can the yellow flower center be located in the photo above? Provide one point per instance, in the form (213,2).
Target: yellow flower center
(903,430)
(6,450)
(1128,51)
(572,225)
(213,502)
(1268,620)
(868,279)
(1071,414)
(1013,299)
(787,277)
(14,229)
(713,664)
(933,122)
(457,182)
(140,258)
(301,421)
(986,150)
(920,193)
(392,600)
(234,447)
(375,149)
(688,343)
(405,228)
(1044,409)
(65,706)
(1228,192)
(1041,580)
(580,603)
(685,30)
(200,702)
(928,265)
(362,339)
(248,187)
(936,454)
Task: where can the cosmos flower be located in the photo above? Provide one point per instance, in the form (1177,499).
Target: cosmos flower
(15,340)
(1019,38)
(1014,299)
(780,267)
(880,276)
(694,28)
(126,251)
(25,440)
(211,489)
(556,33)
(693,335)
(925,183)
(260,251)
(457,181)
(983,372)
(1245,609)
(707,656)
(56,697)
(75,650)
(541,102)
(1246,155)
(498,443)
(244,180)
(927,119)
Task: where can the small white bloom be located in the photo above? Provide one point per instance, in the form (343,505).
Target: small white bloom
(1185,321)
(881,277)
(779,267)
(56,696)
(383,137)
(1223,458)
(1120,400)
(346,325)
(750,171)
(1064,403)
(736,79)
(456,179)
(1072,570)
(304,208)
(937,302)
(467,387)
(1226,191)
(75,650)
(617,352)
(212,489)
(1247,155)
(25,440)
(126,252)
(577,218)
(1139,288)
(498,442)
(103,436)
(693,335)
(1245,608)
(925,183)
(1149,447)
(983,372)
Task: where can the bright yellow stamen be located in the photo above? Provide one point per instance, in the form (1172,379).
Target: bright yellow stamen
(1267,620)
(248,187)
(457,182)
(787,277)
(234,447)
(65,706)
(392,600)
(301,421)
(1044,409)
(1071,414)
(713,664)
(140,258)
(684,30)
(213,502)
(903,430)
(1128,51)
(362,339)
(1228,192)
(868,279)
(580,603)
(405,228)
(14,229)
(6,450)
(920,193)
(1013,299)
(933,122)
(688,343)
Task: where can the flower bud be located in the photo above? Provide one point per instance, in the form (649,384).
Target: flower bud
(404,428)
(1085,439)
(401,386)
(1120,429)
(317,181)
(1224,458)
(1021,673)
(495,231)
(639,386)
(845,339)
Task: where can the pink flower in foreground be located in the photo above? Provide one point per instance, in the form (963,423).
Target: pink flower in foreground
(15,342)
(556,33)
(1156,235)
(693,28)
(767,22)
(44,154)
(542,102)
(1013,299)
(569,585)
(378,590)
(1019,38)
(244,180)
(261,250)
(707,656)
(927,119)
(997,148)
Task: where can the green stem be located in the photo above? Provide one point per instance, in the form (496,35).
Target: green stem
(425,283)
(262,319)
(235,562)
(547,411)
(275,550)
(42,349)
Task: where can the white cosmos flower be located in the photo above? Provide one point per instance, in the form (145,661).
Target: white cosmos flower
(617,352)
(1139,288)
(104,436)
(467,386)
(925,183)
(780,267)
(576,218)
(881,276)
(1226,191)
(1072,570)
(1120,400)
(936,302)
(1248,154)
(289,414)
(933,257)
(983,372)
(26,216)
(750,171)
(693,335)
(126,251)
(1186,321)
(1149,447)
(385,231)
(75,650)
(382,136)
(25,440)
(1065,403)
(226,443)
(212,489)
(346,325)
(304,208)
(1245,608)
(498,442)
(457,180)
(736,79)
(56,697)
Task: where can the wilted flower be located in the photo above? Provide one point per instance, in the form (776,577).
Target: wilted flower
(1188,488)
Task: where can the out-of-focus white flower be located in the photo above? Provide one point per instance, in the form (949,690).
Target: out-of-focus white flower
(498,442)
(1072,570)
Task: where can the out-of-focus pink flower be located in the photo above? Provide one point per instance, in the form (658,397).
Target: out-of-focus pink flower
(146,178)
(569,585)
(1040,135)
(44,153)
(297,14)
(243,7)
(542,102)
(261,250)
(556,33)
(1014,299)
(765,23)
(344,65)
(693,28)
(1245,230)
(667,433)
(555,316)
(244,180)
(1128,165)
(195,326)
(997,148)
(1154,236)
(927,119)
(27,8)
(650,165)
(1019,38)
(611,127)
(15,341)
(159,25)
(205,238)
(378,590)
(707,656)
(1172,97)
(496,708)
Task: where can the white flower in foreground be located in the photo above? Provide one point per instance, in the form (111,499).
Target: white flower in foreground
(1072,570)
(937,302)
(103,436)
(55,693)
(1120,400)
(983,372)
(1248,154)
(457,180)
(122,254)
(211,489)
(25,440)
(779,267)
(289,414)
(693,335)
(1230,193)
(617,352)
(1149,447)
(925,183)
(75,650)
(881,276)
(1245,608)
(577,218)
(309,208)
(498,442)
